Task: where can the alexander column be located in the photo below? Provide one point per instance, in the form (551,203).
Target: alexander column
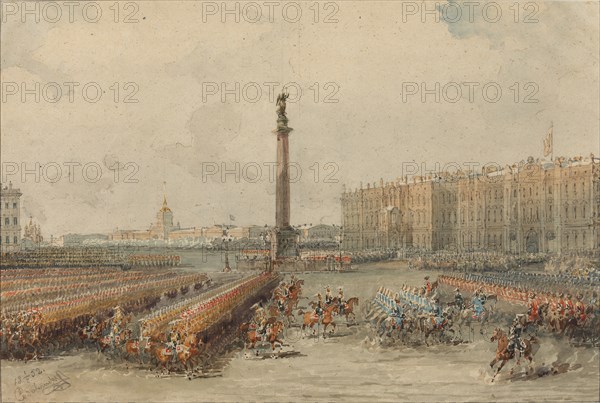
(284,242)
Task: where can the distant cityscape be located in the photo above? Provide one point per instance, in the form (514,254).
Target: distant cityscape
(528,207)
(164,231)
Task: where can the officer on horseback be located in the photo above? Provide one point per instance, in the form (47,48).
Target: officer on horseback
(514,335)
(260,320)
(398,314)
(437,312)
(319,305)
(477,303)
(341,300)
(458,299)
(328,296)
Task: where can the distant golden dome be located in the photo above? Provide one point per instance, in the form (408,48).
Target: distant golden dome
(165,208)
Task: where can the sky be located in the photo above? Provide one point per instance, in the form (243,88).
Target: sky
(187,101)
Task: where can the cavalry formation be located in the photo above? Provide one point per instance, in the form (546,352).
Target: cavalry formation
(270,321)
(561,304)
(544,304)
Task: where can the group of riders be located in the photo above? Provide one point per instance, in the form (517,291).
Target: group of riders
(414,308)
(325,306)
(558,302)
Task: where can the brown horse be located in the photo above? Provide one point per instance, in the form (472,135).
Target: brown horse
(503,355)
(272,336)
(189,352)
(136,347)
(162,353)
(310,319)
(349,308)
(294,293)
(288,313)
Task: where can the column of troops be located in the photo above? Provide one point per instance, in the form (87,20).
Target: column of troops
(476,261)
(154,260)
(64,257)
(197,314)
(52,317)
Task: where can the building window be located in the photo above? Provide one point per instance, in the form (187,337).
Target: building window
(14,205)
(15,240)
(6,221)
(7,239)
(15,220)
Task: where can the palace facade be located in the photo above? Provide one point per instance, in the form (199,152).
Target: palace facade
(532,206)
(10,224)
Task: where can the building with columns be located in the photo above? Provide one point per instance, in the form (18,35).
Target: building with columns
(532,206)
(10,224)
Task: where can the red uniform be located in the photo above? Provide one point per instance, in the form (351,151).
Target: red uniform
(533,311)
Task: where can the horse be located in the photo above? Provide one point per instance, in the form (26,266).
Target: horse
(136,347)
(310,319)
(162,353)
(288,313)
(253,336)
(189,351)
(349,308)
(276,330)
(503,355)
(294,293)
(467,316)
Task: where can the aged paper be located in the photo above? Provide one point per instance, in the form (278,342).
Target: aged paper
(348,201)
